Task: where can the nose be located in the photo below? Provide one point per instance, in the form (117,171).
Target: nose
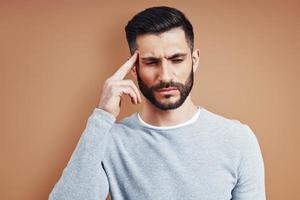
(165,72)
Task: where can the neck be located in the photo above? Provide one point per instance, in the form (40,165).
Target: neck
(156,117)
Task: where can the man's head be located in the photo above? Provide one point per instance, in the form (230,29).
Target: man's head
(157,20)
(164,39)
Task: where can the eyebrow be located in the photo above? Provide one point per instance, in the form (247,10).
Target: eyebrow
(176,55)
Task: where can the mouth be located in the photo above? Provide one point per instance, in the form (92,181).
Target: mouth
(167,90)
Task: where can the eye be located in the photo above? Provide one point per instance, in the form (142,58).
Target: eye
(177,60)
(151,63)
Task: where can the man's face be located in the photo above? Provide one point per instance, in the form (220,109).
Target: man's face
(165,71)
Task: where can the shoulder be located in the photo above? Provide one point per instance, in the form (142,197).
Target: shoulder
(232,137)
(229,128)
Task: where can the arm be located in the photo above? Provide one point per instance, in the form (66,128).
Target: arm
(84,176)
(251,174)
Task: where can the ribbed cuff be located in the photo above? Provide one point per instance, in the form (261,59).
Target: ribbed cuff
(100,113)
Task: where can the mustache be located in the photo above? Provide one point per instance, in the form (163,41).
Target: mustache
(163,85)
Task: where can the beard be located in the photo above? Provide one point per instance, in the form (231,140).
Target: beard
(149,92)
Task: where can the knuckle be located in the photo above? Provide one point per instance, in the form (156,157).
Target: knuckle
(131,92)
(125,90)
(129,81)
(132,85)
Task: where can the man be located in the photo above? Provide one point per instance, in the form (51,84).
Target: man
(171,149)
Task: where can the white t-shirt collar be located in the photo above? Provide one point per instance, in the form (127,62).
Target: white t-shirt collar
(190,121)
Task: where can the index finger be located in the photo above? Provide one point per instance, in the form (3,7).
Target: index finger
(125,68)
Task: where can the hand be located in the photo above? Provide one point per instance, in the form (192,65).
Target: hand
(115,87)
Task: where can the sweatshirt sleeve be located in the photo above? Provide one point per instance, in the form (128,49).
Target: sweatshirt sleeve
(251,173)
(84,176)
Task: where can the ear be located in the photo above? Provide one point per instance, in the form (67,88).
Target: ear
(195,59)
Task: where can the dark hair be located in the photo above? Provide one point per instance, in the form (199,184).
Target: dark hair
(158,20)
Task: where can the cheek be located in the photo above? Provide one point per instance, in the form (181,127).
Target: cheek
(182,72)
(146,75)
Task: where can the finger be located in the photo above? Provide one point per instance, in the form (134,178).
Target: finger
(133,86)
(129,91)
(125,68)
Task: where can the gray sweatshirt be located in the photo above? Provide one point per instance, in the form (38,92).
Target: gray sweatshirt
(208,157)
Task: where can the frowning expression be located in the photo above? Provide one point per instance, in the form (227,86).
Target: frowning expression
(165,70)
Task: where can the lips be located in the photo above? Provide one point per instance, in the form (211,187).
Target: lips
(167,89)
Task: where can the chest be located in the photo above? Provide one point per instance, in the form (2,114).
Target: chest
(160,167)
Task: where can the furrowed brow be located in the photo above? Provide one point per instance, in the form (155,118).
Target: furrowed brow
(170,57)
(149,58)
(176,55)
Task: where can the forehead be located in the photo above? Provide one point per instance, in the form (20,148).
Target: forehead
(162,44)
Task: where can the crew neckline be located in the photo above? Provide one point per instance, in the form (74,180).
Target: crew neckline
(189,121)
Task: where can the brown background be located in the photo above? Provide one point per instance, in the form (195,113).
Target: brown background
(55,56)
